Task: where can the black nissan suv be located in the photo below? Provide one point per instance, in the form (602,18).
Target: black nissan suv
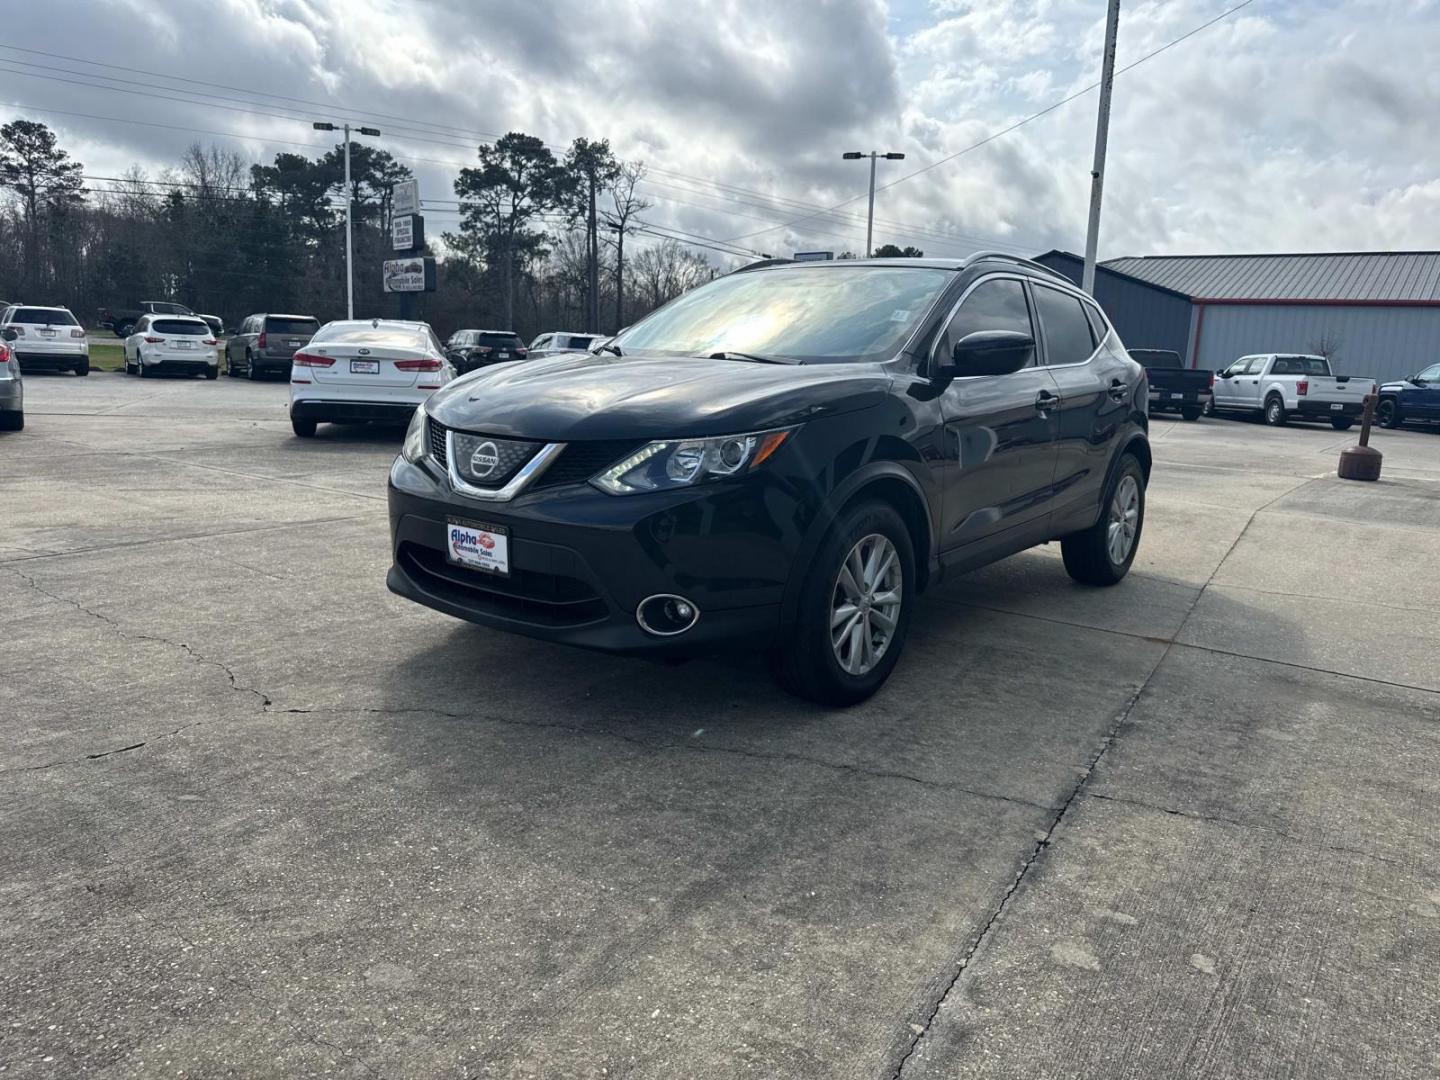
(783,458)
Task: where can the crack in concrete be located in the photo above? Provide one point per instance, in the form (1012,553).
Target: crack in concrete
(666,745)
(189,651)
(919,1031)
(1248,826)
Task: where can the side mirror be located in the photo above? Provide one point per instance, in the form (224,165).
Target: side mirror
(990,352)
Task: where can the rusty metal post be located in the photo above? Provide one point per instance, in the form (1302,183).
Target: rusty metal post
(1361,461)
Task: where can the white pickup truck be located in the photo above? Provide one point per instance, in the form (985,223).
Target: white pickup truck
(1288,386)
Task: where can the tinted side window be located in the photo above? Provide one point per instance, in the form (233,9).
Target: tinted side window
(998,304)
(1098,326)
(1068,339)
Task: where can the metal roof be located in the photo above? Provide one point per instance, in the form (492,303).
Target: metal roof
(1368,276)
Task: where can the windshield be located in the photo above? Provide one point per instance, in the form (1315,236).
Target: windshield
(811,313)
(43,316)
(383,337)
(179,326)
(500,341)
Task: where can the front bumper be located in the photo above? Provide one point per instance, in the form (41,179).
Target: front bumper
(1319,410)
(581,561)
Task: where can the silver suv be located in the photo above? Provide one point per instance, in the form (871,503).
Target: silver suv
(265,343)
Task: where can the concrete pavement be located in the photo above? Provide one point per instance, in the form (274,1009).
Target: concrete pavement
(262,818)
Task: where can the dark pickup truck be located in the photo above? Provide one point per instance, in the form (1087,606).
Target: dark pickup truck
(123,321)
(1173,385)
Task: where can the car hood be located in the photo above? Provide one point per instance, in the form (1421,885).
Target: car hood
(581,396)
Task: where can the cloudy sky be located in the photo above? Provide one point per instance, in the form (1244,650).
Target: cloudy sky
(1290,125)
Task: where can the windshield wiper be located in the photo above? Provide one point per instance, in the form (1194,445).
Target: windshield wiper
(610,349)
(757,358)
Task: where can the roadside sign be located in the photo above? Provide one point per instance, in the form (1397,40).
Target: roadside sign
(814,256)
(416,274)
(405,198)
(407,232)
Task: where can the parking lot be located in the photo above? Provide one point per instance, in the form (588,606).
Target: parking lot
(262,818)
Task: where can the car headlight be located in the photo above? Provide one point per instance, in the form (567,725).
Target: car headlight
(677,463)
(414,447)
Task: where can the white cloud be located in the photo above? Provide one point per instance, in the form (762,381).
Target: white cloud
(1295,124)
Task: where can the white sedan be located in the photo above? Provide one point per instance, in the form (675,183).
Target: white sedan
(365,369)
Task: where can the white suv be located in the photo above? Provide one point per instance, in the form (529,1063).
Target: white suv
(365,369)
(183,343)
(46,338)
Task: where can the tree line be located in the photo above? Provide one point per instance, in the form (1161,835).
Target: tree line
(541,242)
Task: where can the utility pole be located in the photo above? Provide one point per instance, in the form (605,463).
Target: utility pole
(320,125)
(1102,135)
(856,155)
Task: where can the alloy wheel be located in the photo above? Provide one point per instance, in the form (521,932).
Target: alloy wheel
(865,604)
(1124,520)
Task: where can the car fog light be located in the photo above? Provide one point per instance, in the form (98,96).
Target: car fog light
(666,615)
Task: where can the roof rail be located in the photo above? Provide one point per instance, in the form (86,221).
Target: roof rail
(971,259)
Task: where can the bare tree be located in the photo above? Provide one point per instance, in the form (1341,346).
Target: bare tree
(620,222)
(1327,343)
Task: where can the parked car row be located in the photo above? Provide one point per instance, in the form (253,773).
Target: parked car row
(123,322)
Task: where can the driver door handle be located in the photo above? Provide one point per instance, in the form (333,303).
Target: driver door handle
(1118,390)
(1045,401)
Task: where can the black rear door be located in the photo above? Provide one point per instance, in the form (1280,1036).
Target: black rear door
(1096,385)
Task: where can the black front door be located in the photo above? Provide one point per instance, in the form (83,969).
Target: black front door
(1000,430)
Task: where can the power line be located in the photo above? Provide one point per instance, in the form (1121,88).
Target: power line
(731,192)
(1006,130)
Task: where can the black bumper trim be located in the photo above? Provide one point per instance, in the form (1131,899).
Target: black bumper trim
(340,411)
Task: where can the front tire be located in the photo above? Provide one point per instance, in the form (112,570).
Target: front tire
(1208,409)
(1275,411)
(305,429)
(1387,415)
(1102,554)
(854,609)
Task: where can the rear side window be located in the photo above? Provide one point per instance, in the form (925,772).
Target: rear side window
(297,327)
(43,316)
(578,342)
(1300,365)
(998,304)
(179,327)
(1068,339)
(1098,326)
(385,337)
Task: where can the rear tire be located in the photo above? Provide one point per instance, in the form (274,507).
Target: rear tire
(1099,556)
(305,429)
(1387,414)
(250,372)
(1191,412)
(12,421)
(140,368)
(1342,423)
(1275,411)
(83,368)
(212,373)
(812,663)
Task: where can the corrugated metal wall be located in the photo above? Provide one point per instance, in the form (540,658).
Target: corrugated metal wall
(1144,316)
(1381,342)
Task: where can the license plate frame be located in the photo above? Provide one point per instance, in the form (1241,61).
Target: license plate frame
(184,345)
(466,546)
(364,367)
(1336,406)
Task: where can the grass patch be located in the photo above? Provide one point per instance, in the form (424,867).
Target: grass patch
(107,357)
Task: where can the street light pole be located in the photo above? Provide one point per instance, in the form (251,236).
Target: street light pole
(1102,136)
(856,155)
(349,227)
